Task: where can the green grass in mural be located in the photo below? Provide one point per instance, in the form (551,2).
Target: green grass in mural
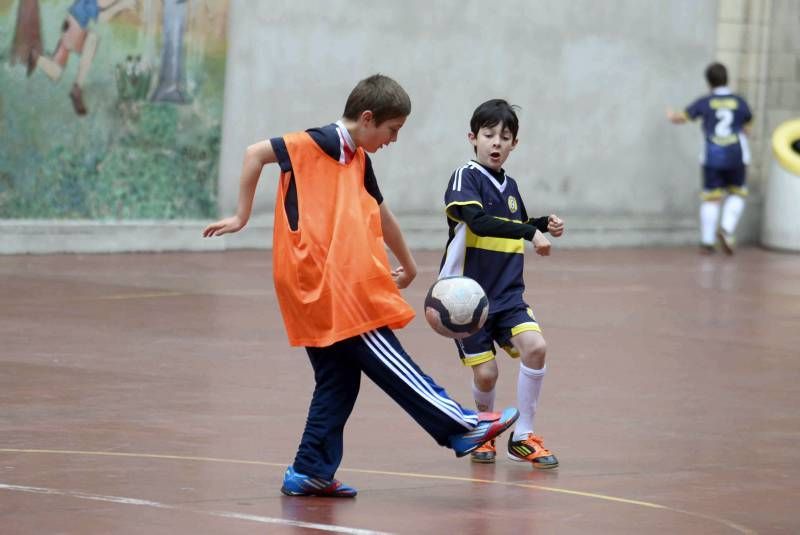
(128,158)
(160,165)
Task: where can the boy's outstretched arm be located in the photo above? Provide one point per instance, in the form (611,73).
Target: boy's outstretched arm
(676,117)
(255,158)
(393,237)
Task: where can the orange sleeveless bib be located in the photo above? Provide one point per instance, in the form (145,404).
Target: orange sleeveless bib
(332,275)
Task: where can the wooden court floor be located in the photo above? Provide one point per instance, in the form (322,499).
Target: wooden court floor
(156,393)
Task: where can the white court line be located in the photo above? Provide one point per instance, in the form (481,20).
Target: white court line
(223,514)
(592,495)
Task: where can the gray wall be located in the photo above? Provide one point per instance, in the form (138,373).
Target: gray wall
(593,80)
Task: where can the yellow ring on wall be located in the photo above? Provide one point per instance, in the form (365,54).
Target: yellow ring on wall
(782,140)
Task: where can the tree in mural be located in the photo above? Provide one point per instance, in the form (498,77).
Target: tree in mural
(172,75)
(27,44)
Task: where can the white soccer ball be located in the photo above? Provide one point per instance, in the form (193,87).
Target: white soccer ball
(456,307)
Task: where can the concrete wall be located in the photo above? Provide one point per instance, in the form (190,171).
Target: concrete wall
(593,80)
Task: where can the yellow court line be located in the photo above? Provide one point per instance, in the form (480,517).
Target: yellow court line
(111,297)
(511,484)
(737,527)
(151,295)
(115,297)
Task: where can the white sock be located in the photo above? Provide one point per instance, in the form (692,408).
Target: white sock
(483,400)
(731,212)
(529,384)
(709,214)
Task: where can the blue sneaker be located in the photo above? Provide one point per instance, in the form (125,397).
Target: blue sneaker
(297,484)
(490,424)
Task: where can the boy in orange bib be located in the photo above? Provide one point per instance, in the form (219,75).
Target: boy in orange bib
(337,293)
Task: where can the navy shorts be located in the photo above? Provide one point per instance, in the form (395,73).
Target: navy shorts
(499,328)
(719,182)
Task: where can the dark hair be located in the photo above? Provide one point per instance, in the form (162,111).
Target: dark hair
(494,112)
(381,95)
(717,75)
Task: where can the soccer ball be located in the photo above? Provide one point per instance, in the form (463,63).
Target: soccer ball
(456,307)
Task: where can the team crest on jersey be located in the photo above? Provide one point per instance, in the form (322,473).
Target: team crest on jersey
(512,203)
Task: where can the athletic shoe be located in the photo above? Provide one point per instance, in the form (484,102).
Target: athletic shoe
(297,484)
(485,454)
(727,241)
(490,424)
(531,449)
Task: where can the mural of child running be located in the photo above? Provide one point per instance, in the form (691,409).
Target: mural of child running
(76,37)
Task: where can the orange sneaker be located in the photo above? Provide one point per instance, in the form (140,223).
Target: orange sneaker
(485,454)
(531,449)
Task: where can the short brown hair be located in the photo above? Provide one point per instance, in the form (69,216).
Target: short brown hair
(381,95)
(717,75)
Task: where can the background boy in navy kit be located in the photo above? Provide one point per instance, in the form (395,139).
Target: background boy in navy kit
(725,156)
(487,224)
(375,111)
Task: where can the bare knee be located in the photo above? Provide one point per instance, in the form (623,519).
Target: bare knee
(485,376)
(534,353)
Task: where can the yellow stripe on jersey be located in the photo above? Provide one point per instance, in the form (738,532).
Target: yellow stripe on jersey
(728,103)
(447,208)
(500,245)
(506,219)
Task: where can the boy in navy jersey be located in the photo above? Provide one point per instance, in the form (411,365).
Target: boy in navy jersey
(488,223)
(725,119)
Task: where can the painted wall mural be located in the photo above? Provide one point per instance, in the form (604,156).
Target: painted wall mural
(110,109)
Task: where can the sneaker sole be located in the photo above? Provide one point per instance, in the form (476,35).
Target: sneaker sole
(292,493)
(482,461)
(535,465)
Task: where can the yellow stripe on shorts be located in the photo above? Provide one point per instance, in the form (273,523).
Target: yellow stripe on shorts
(528,326)
(712,195)
(478,358)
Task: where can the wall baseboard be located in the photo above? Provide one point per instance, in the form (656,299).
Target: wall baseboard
(422,232)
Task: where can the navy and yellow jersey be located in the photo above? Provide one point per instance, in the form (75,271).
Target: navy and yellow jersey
(496,263)
(723,116)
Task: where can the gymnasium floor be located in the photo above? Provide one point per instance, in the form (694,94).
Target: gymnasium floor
(155,393)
